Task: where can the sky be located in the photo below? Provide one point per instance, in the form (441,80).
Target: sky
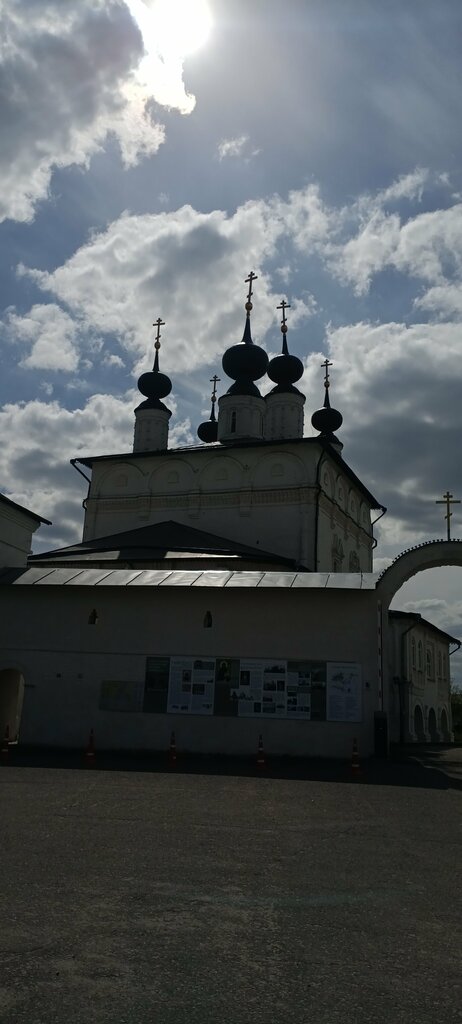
(153,153)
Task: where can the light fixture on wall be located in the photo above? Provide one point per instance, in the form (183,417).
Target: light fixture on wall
(93,618)
(208,620)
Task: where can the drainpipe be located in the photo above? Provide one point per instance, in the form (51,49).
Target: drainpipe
(374,539)
(73,463)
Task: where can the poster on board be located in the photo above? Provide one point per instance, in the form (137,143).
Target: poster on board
(191,686)
(121,695)
(344,688)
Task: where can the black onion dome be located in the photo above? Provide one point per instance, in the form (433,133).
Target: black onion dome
(285,369)
(245,363)
(208,431)
(154,384)
(327,420)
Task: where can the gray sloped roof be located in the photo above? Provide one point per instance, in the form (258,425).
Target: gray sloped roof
(52,576)
(154,543)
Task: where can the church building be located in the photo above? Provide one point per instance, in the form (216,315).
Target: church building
(222,591)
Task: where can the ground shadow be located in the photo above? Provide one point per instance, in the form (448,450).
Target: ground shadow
(415,767)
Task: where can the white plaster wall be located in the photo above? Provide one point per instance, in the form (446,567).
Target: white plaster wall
(16,529)
(64,660)
(425,690)
(263,497)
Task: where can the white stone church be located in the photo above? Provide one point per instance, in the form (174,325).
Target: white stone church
(221,591)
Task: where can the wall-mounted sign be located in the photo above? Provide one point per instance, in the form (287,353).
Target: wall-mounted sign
(254,688)
(344,688)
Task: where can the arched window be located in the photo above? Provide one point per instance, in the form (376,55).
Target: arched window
(353,562)
(440,665)
(429,663)
(413,652)
(338,554)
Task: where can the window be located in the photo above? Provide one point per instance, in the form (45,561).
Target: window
(413,652)
(419,656)
(233,423)
(338,554)
(354,565)
(429,663)
(440,665)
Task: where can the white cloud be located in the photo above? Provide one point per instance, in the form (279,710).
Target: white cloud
(51,334)
(70,75)
(144,266)
(237,147)
(397,387)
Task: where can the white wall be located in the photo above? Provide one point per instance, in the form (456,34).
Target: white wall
(16,529)
(64,660)
(262,497)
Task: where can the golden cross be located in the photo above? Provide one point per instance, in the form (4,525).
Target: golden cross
(249,280)
(159,323)
(448,500)
(214,380)
(326,365)
(284,305)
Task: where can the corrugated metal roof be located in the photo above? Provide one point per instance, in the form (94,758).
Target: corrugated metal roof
(183,578)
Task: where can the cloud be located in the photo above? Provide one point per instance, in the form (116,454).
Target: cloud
(183,265)
(50,332)
(397,386)
(70,76)
(44,436)
(237,147)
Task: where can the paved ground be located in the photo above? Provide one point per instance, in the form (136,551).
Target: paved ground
(135,895)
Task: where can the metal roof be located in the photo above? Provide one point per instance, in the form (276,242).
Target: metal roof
(45,576)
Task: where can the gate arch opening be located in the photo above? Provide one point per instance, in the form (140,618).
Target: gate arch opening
(417,629)
(11,701)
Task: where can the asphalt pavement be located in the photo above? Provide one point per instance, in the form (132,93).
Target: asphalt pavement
(208,893)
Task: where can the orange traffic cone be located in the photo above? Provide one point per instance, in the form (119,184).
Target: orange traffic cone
(5,748)
(172,751)
(261,759)
(90,755)
(355,766)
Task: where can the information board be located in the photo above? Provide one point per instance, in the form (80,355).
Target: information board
(344,688)
(252,688)
(119,695)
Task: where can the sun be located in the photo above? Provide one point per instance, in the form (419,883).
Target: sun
(173,28)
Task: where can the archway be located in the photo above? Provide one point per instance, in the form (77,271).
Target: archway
(11,700)
(432,726)
(414,634)
(444,726)
(419,729)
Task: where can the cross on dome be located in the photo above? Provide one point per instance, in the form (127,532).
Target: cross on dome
(158,323)
(284,305)
(214,380)
(249,280)
(325,366)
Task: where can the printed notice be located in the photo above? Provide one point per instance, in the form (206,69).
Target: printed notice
(344,688)
(191,686)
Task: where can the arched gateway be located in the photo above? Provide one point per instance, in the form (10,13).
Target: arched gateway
(429,555)
(424,724)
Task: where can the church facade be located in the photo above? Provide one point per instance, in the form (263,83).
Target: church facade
(222,591)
